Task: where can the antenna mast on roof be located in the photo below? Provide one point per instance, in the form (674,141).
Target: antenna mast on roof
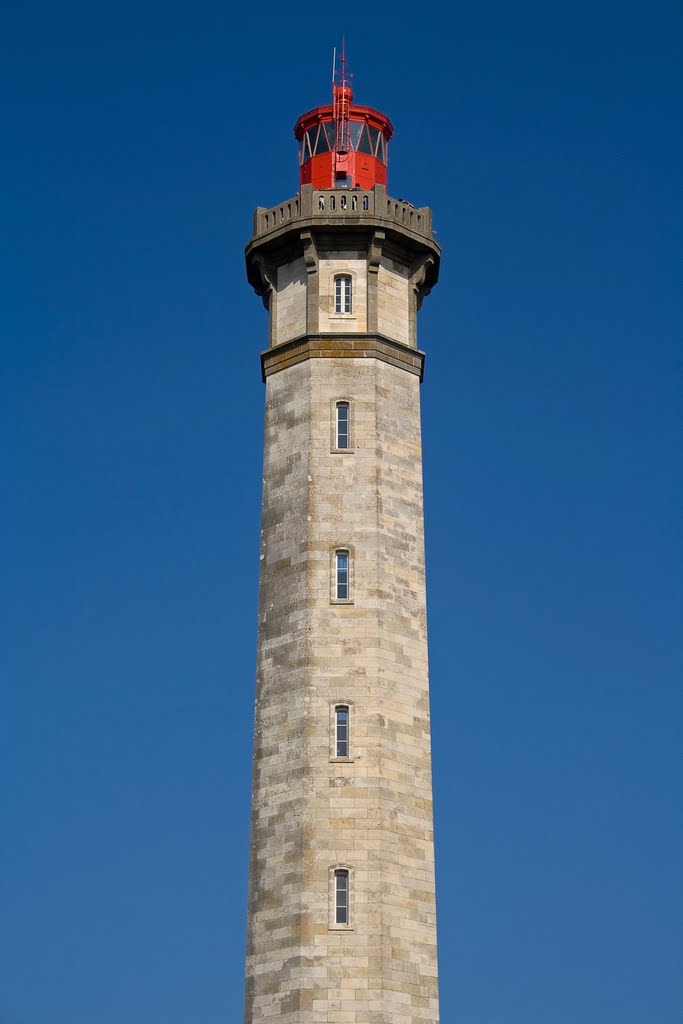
(342,97)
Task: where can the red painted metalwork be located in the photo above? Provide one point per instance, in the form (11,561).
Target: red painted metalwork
(343,145)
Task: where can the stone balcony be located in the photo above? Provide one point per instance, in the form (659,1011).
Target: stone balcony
(332,207)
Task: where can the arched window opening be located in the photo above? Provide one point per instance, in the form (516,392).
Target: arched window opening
(341,896)
(342,293)
(375,136)
(341,575)
(341,731)
(342,425)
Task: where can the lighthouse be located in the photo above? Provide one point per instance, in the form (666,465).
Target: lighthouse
(341,911)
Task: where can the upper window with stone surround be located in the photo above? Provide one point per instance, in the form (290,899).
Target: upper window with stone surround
(342,294)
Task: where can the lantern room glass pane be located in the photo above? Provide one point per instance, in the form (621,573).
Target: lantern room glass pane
(322,145)
(355,128)
(364,144)
(331,132)
(374,139)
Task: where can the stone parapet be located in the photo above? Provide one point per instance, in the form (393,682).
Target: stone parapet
(344,206)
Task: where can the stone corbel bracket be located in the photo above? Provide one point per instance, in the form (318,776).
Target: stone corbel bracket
(422,276)
(264,283)
(312,261)
(374,256)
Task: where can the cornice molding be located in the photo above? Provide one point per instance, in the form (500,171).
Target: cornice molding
(349,346)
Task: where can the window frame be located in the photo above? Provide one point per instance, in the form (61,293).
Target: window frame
(341,897)
(335,707)
(336,569)
(336,405)
(341,871)
(345,299)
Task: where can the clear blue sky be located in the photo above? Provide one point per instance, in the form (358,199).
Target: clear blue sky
(138,137)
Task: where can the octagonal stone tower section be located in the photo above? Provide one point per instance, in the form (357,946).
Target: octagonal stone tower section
(341,914)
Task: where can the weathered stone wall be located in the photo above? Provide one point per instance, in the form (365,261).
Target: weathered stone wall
(393,304)
(281,767)
(290,300)
(371,814)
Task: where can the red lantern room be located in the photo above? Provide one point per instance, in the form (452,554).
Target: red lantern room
(343,145)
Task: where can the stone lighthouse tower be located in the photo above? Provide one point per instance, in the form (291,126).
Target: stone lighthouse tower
(341,919)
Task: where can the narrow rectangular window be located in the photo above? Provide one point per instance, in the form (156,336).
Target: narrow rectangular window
(341,588)
(341,897)
(342,293)
(342,439)
(341,725)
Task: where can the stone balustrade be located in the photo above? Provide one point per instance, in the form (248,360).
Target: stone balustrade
(336,205)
